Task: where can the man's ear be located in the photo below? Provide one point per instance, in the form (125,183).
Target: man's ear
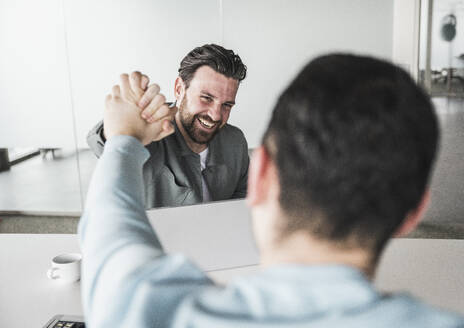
(262,177)
(179,89)
(414,216)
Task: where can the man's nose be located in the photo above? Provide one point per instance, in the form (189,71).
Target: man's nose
(215,112)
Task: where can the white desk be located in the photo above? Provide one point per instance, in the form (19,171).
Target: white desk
(430,269)
(27,296)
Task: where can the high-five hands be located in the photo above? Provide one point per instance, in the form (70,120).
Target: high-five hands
(138,110)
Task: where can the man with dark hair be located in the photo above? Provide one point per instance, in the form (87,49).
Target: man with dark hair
(367,142)
(344,166)
(205,159)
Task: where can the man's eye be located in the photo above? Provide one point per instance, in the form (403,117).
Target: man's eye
(228,106)
(206,98)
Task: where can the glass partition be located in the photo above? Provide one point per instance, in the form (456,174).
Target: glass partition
(61,57)
(441,72)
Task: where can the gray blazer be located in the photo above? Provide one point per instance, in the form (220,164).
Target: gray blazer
(172,174)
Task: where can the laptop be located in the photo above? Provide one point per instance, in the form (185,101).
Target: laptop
(215,235)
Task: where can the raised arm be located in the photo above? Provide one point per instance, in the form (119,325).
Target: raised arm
(127,280)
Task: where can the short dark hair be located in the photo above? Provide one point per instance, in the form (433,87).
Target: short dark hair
(354,139)
(222,60)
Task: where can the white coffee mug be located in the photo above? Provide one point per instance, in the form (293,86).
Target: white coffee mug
(65,267)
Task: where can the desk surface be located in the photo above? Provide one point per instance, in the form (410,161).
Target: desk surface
(26,294)
(428,268)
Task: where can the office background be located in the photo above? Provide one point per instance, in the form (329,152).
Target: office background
(61,57)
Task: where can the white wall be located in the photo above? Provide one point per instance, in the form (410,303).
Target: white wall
(406,18)
(146,35)
(95,41)
(276,38)
(35,106)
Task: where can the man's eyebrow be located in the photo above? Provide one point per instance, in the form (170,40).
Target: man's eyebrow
(206,93)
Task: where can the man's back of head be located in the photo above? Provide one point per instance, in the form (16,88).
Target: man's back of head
(344,165)
(353,139)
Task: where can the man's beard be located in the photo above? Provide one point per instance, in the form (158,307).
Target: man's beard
(199,136)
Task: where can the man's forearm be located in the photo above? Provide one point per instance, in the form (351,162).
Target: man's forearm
(116,237)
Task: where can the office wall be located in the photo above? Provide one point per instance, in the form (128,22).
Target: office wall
(276,38)
(35,104)
(106,40)
(60,58)
(406,18)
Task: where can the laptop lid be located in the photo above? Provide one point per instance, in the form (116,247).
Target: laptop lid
(214,235)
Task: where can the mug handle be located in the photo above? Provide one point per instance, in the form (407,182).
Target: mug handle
(51,273)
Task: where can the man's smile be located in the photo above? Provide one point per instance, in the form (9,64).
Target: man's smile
(206,123)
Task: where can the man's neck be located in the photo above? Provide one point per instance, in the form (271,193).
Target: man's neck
(195,147)
(299,248)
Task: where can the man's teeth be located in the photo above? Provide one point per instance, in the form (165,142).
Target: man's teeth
(205,123)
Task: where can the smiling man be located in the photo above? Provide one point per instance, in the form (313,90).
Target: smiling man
(205,159)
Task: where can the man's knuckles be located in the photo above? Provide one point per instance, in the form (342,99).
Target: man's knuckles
(159,99)
(136,75)
(152,91)
(144,82)
(156,105)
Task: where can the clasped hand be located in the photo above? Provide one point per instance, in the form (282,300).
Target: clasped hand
(137,109)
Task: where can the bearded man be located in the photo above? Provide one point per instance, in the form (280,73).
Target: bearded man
(205,159)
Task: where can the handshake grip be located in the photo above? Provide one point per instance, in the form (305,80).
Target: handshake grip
(137,109)
(100,130)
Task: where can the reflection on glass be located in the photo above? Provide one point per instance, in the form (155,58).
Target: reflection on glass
(441,67)
(442,47)
(39,180)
